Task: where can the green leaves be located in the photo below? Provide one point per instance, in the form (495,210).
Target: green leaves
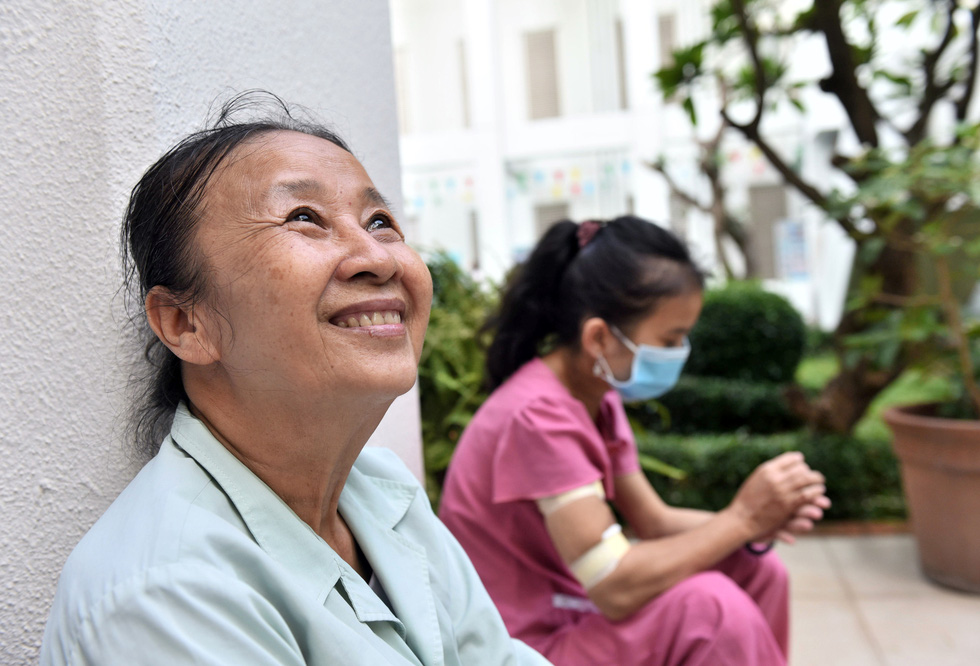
(912,204)
(902,82)
(683,71)
(652,465)
(676,81)
(451,367)
(724,23)
(906,20)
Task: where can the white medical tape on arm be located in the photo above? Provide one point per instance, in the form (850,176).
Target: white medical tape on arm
(600,560)
(550,504)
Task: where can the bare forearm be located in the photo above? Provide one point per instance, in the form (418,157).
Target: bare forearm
(654,565)
(672,521)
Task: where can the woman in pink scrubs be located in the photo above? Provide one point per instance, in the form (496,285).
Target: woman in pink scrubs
(600,313)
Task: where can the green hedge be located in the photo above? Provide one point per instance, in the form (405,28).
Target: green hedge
(863,479)
(451,383)
(746,333)
(713,404)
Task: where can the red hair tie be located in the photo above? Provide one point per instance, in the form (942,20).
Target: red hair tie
(587,231)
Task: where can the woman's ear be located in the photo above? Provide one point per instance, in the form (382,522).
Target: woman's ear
(596,338)
(180,327)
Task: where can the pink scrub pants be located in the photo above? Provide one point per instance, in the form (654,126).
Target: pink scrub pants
(736,614)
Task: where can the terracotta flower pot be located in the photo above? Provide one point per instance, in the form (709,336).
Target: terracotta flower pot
(940,460)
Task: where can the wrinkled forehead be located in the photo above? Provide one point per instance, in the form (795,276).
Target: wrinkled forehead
(282,164)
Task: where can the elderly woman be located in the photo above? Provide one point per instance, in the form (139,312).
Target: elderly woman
(287,313)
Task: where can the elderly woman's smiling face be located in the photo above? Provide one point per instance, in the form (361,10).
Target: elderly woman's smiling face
(310,285)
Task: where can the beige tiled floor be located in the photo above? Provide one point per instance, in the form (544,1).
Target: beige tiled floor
(862,601)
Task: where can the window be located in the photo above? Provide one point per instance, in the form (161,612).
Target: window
(767,206)
(678,209)
(474,241)
(667,32)
(464,87)
(541,67)
(547,214)
(621,65)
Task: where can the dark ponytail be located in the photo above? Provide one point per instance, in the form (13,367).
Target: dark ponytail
(623,269)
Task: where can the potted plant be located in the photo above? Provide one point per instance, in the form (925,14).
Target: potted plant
(934,193)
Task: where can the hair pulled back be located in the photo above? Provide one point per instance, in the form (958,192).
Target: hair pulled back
(620,274)
(157,241)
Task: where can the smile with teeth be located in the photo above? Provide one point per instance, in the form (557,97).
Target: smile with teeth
(376,318)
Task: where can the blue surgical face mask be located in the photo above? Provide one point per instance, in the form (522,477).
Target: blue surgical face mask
(654,371)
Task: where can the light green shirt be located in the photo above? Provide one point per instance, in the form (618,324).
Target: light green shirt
(198,561)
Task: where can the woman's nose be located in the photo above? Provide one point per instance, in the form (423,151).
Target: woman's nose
(367,258)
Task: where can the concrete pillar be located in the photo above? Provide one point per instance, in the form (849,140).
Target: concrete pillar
(90,95)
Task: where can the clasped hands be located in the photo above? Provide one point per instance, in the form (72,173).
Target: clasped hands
(782,498)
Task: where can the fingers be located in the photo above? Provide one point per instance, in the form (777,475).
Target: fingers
(810,511)
(804,485)
(780,491)
(811,494)
(801,475)
(786,460)
(791,468)
(798,525)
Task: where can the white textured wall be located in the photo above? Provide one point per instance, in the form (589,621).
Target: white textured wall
(90,94)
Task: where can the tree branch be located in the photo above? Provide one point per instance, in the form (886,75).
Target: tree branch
(751,39)
(676,189)
(933,91)
(963,103)
(842,81)
(751,132)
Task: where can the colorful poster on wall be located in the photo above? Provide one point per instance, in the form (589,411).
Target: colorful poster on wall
(791,250)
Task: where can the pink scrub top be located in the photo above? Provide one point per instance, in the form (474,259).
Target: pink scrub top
(530,439)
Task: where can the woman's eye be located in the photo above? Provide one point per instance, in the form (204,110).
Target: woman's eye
(301,216)
(380,222)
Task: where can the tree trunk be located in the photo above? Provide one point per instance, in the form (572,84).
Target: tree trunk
(845,399)
(736,231)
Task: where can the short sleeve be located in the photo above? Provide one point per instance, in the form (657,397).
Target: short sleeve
(547,448)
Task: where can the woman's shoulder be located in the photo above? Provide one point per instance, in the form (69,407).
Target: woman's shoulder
(168,518)
(531,389)
(532,397)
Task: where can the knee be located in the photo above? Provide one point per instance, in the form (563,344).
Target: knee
(720,604)
(705,619)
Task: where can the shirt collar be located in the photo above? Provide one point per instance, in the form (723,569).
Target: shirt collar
(373,508)
(278,530)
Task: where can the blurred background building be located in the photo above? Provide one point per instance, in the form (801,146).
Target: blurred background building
(514,115)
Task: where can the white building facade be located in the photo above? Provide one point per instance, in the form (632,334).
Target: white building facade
(516,114)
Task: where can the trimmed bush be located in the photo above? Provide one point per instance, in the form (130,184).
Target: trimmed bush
(714,404)
(746,333)
(863,479)
(451,384)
